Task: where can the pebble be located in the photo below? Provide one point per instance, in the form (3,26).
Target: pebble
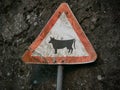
(35,23)
(8,74)
(22,87)
(104,11)
(28,16)
(99,77)
(35,82)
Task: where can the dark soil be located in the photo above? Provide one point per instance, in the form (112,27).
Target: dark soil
(22,20)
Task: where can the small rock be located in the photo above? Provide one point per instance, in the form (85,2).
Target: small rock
(1,61)
(35,23)
(22,87)
(28,17)
(8,74)
(99,77)
(104,11)
(82,84)
(35,82)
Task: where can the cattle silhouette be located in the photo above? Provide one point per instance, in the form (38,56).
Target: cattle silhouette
(59,44)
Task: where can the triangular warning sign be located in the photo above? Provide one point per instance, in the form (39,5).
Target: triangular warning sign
(62,41)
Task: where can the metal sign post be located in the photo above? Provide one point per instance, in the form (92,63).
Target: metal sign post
(59,77)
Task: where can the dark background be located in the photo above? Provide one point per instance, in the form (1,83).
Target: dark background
(22,20)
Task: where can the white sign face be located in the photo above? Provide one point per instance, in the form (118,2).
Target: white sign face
(62,40)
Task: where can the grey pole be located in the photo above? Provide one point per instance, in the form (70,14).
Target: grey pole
(59,77)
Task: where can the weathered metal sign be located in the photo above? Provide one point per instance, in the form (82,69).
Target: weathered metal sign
(62,41)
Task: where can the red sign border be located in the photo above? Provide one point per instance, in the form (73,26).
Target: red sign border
(28,58)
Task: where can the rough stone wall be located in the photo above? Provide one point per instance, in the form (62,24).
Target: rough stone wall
(22,20)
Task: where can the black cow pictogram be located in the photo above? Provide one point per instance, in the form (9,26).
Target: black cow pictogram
(59,44)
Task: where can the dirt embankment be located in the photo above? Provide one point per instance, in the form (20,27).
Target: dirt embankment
(22,20)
